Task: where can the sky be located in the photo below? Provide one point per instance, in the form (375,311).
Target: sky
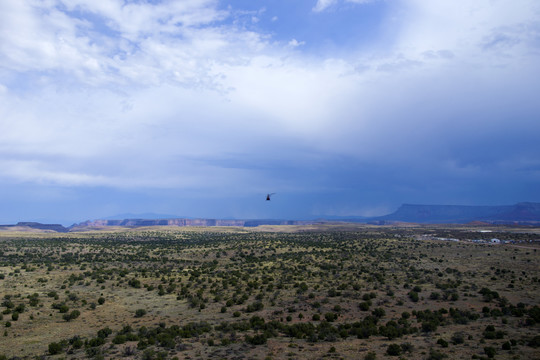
(199,108)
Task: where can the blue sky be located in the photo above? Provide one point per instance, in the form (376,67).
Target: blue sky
(200,107)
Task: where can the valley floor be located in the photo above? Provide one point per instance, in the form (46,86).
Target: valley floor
(343,292)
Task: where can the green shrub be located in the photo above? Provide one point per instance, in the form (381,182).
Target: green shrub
(364,306)
(490,352)
(330,316)
(119,339)
(256,306)
(136,283)
(370,356)
(489,294)
(55,348)
(259,339)
(436,355)
(413,295)
(430,325)
(95,342)
(443,343)
(407,347)
(104,333)
(393,350)
(77,343)
(140,313)
(72,315)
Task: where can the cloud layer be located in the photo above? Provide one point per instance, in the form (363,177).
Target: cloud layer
(183,98)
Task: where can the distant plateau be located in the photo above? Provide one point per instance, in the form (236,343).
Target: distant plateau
(525,213)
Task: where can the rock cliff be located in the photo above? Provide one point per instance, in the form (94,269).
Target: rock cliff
(187,222)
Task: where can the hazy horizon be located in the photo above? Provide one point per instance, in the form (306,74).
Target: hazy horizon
(420,216)
(201,108)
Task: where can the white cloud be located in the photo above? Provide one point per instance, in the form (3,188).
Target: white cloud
(322,5)
(295,43)
(104,42)
(155,100)
(466,26)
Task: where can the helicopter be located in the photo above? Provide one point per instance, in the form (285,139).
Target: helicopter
(268,196)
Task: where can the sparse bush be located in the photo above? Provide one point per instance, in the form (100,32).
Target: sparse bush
(443,343)
(72,315)
(104,333)
(436,355)
(136,283)
(393,350)
(370,356)
(330,316)
(258,339)
(140,313)
(490,352)
(379,312)
(119,339)
(55,348)
(364,306)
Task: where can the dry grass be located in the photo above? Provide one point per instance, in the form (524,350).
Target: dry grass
(358,259)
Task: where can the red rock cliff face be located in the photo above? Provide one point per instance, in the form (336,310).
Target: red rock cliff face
(162,222)
(204,222)
(187,222)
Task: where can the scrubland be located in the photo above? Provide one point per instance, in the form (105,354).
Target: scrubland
(336,292)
